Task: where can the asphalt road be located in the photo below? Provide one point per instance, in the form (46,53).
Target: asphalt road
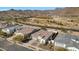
(8,46)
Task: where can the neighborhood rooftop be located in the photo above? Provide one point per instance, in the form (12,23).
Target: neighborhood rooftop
(26,30)
(43,34)
(68,40)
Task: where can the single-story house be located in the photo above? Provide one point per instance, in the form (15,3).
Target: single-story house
(44,36)
(11,29)
(26,31)
(67,41)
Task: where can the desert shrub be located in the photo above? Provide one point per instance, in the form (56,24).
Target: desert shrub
(18,38)
(2,34)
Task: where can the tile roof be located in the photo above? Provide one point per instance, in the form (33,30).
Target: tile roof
(43,34)
(25,30)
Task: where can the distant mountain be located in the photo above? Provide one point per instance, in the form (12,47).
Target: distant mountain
(67,11)
(41,13)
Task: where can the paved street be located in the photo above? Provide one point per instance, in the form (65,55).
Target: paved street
(4,44)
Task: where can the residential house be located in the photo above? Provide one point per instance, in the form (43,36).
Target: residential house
(10,29)
(67,41)
(26,31)
(44,36)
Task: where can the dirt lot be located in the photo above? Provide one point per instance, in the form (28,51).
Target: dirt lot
(56,48)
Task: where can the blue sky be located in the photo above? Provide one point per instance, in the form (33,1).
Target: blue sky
(27,8)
